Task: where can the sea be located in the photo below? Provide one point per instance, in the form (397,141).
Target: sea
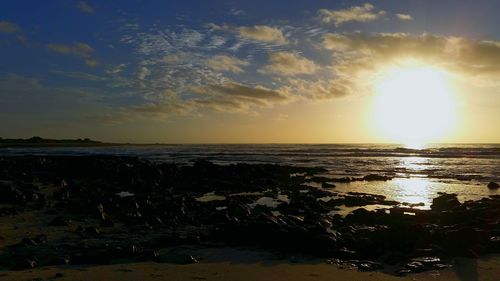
(418,174)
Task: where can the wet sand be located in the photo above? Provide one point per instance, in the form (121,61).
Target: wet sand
(467,270)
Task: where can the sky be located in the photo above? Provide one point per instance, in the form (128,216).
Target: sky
(197,71)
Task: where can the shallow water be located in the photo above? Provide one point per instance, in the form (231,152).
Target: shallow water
(418,190)
(419,174)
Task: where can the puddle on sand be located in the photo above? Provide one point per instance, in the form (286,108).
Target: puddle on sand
(344,210)
(271,202)
(123,194)
(209,197)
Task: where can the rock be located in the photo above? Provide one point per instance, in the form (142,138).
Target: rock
(368,266)
(11,195)
(28,242)
(493,185)
(415,266)
(327,185)
(92,231)
(25,264)
(375,177)
(60,221)
(107,222)
(403,272)
(445,202)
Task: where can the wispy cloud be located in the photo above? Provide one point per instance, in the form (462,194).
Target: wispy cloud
(9,27)
(260,33)
(263,33)
(226,63)
(365,13)
(78,49)
(235,97)
(84,7)
(80,75)
(237,12)
(404,17)
(288,64)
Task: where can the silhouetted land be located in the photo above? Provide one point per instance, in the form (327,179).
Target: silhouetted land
(41,142)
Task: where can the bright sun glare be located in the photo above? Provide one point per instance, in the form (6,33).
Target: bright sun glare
(414,105)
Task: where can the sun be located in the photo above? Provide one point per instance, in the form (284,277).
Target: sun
(413,105)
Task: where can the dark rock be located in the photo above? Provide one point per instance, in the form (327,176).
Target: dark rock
(25,264)
(415,266)
(11,195)
(28,242)
(107,222)
(375,177)
(92,231)
(327,185)
(493,185)
(445,202)
(60,221)
(368,266)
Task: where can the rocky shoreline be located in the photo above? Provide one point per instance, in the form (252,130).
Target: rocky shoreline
(109,209)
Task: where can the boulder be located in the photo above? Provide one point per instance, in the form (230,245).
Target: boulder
(445,202)
(60,221)
(493,185)
(375,177)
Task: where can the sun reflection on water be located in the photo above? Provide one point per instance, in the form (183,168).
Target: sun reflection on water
(414,190)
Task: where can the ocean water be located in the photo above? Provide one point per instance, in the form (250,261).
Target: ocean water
(419,174)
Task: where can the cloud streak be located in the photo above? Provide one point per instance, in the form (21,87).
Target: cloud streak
(85,8)
(227,63)
(263,33)
(77,49)
(404,17)
(365,13)
(288,64)
(9,27)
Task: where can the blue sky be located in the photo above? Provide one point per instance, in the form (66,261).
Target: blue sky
(165,71)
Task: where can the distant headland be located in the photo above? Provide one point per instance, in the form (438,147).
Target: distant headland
(42,142)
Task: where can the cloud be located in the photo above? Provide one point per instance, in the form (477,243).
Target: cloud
(226,63)
(180,61)
(85,8)
(359,56)
(263,33)
(320,89)
(288,64)
(143,73)
(80,75)
(9,27)
(78,49)
(235,97)
(365,13)
(239,90)
(168,104)
(404,17)
(237,12)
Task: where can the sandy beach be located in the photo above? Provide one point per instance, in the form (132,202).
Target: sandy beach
(467,270)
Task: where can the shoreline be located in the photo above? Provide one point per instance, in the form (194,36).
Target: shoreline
(470,270)
(75,210)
